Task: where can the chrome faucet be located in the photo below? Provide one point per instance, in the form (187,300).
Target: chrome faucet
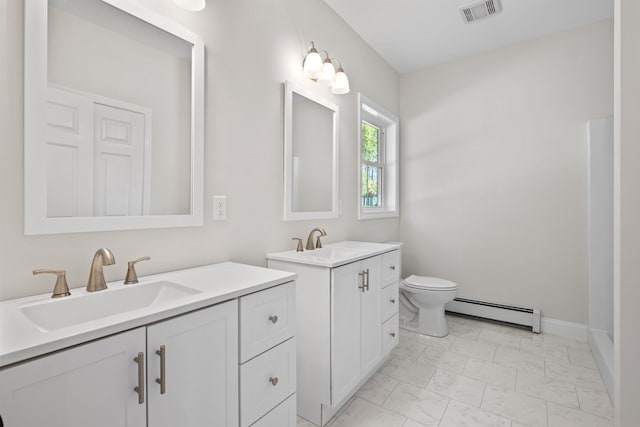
(309,245)
(96,281)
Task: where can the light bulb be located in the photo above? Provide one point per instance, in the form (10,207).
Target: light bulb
(312,65)
(328,73)
(341,85)
(191,5)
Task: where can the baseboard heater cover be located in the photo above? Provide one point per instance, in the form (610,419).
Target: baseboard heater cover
(528,317)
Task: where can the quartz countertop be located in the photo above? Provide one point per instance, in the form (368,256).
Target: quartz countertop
(21,339)
(335,254)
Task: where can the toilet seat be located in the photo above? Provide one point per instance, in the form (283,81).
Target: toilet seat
(429,283)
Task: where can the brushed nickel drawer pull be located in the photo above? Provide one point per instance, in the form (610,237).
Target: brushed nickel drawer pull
(366,274)
(162,380)
(273,318)
(392,267)
(393,334)
(273,381)
(392,300)
(362,286)
(140,387)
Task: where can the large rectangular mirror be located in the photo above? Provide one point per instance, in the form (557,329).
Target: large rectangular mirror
(114,118)
(310,155)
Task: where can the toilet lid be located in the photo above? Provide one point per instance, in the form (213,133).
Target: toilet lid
(431,283)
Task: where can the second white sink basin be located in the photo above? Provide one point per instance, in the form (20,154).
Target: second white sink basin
(61,313)
(334,254)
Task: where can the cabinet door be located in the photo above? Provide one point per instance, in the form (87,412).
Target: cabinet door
(89,385)
(345,330)
(370,315)
(201,369)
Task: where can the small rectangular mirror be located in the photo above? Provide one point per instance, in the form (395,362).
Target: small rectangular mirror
(310,155)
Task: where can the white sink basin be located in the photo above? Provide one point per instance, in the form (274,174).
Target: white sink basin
(60,313)
(333,254)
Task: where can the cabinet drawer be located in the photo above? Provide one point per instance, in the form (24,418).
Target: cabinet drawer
(284,415)
(390,267)
(267,318)
(266,381)
(390,335)
(390,301)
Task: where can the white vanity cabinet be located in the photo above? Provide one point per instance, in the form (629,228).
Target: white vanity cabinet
(345,330)
(268,357)
(222,354)
(95,384)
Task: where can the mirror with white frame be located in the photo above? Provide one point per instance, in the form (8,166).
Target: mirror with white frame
(114,118)
(310,155)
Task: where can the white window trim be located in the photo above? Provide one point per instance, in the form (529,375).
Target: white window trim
(390,191)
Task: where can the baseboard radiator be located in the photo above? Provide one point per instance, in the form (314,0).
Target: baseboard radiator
(526,317)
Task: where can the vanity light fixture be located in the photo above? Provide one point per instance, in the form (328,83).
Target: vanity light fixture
(191,5)
(324,72)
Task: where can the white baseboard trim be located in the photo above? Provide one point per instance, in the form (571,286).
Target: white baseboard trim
(565,329)
(602,348)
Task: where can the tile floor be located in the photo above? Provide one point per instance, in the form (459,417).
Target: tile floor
(481,374)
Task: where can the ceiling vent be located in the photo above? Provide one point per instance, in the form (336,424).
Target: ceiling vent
(477,10)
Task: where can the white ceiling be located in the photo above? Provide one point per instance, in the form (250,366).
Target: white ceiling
(413,34)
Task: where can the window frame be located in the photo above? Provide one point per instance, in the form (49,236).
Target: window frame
(388,152)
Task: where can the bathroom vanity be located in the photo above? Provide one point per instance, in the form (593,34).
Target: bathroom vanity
(212,345)
(347,314)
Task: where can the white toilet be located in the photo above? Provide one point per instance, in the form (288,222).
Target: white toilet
(422,301)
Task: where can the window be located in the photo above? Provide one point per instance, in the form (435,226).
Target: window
(378,161)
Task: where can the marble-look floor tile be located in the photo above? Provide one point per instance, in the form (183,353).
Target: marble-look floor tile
(516,406)
(595,402)
(470,332)
(582,358)
(416,403)
(492,373)
(546,350)
(583,377)
(499,338)
(411,423)
(548,389)
(360,413)
(457,387)
(477,349)
(565,342)
(461,415)
(377,389)
(442,358)
(443,342)
(408,349)
(522,362)
(560,416)
(410,372)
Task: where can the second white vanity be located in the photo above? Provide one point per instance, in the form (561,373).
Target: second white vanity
(347,319)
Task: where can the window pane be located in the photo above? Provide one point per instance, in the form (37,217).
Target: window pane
(370,142)
(370,194)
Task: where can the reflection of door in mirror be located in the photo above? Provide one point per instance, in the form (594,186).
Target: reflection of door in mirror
(98,156)
(96,49)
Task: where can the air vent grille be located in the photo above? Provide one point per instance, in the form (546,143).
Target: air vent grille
(479,9)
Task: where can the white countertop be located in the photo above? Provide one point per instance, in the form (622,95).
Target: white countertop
(20,339)
(335,254)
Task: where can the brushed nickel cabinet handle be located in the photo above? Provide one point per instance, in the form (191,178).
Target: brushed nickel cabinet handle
(140,388)
(273,318)
(162,380)
(273,381)
(366,274)
(362,286)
